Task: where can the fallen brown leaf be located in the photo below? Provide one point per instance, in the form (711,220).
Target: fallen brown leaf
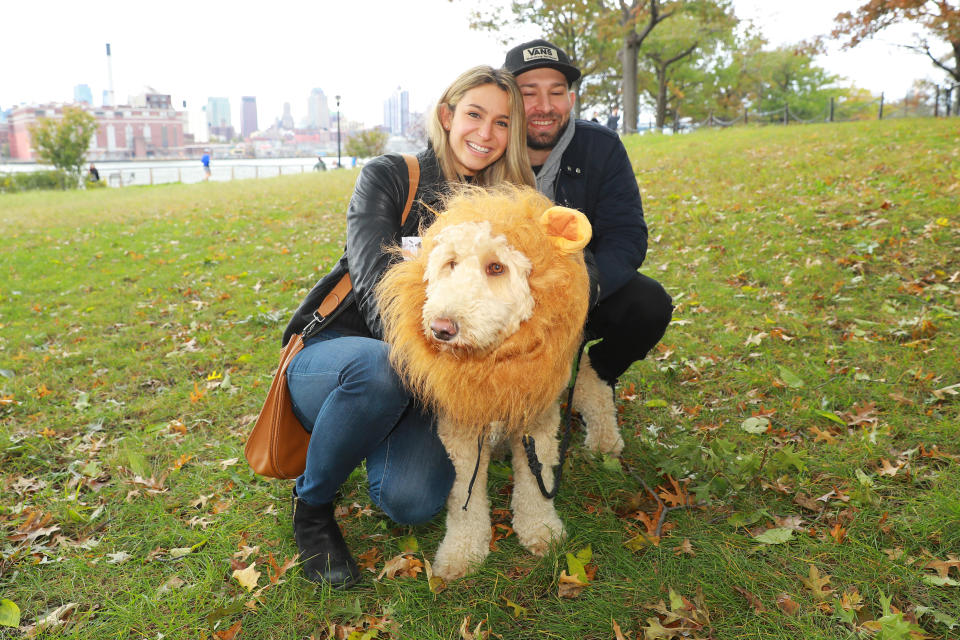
(786,604)
(476,634)
(617,631)
(807,502)
(570,586)
(229,634)
(402,566)
(369,559)
(751,598)
(684,547)
(942,567)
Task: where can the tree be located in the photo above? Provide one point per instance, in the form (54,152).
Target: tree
(63,142)
(699,27)
(367,144)
(637,21)
(787,76)
(939,18)
(582,28)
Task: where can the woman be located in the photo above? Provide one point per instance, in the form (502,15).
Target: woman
(343,389)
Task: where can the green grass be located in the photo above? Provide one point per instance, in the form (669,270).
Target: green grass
(815,272)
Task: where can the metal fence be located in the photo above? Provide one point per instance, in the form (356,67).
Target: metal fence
(945,103)
(131,176)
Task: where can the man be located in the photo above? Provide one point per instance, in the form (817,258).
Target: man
(613,121)
(583,165)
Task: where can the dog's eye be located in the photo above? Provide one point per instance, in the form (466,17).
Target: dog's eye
(495,269)
(452,264)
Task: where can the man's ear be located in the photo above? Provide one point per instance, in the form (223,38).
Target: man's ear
(446,116)
(568,229)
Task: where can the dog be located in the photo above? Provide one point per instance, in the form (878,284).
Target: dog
(483,326)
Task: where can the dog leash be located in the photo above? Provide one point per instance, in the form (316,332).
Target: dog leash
(529,444)
(476,468)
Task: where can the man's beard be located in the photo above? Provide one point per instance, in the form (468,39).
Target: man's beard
(545,141)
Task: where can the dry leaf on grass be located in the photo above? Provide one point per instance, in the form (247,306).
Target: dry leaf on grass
(570,586)
(436,583)
(476,633)
(684,547)
(229,634)
(787,604)
(751,598)
(617,631)
(247,577)
(942,567)
(818,585)
(401,566)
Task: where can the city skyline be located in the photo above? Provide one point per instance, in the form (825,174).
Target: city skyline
(399,47)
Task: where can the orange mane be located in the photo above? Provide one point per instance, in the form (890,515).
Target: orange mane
(520,378)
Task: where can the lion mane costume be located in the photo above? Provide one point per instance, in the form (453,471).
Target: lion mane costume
(483,326)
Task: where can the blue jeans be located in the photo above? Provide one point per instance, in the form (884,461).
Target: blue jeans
(349,398)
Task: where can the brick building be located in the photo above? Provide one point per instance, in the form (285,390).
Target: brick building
(124,132)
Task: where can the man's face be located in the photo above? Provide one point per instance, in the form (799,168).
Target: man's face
(548,102)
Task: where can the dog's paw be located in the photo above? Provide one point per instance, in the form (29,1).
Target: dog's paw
(453,566)
(537,536)
(604,439)
(461,551)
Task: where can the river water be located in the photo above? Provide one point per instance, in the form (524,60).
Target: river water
(117,174)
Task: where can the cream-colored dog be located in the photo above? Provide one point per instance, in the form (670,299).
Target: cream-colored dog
(483,325)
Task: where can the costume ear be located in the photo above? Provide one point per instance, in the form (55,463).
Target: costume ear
(568,229)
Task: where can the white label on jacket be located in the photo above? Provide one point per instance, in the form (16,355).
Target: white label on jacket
(410,247)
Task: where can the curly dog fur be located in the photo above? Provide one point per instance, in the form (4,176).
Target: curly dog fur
(483,325)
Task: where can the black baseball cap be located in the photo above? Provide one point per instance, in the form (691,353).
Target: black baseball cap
(540,53)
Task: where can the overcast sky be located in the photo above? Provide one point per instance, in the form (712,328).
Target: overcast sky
(360,49)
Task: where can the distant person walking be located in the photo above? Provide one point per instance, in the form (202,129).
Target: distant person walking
(92,174)
(613,121)
(319,166)
(206,165)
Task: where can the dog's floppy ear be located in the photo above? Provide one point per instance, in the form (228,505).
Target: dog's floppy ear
(568,229)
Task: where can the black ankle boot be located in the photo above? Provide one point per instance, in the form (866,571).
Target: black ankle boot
(323,551)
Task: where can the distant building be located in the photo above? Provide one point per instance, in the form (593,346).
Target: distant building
(106,98)
(124,131)
(82,93)
(318,110)
(286,122)
(219,123)
(150,99)
(248,116)
(396,112)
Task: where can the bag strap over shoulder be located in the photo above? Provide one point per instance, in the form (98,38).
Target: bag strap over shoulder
(413,170)
(340,290)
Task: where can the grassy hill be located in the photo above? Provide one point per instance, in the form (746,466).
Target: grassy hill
(792,467)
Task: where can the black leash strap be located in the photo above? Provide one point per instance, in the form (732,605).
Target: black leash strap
(529,444)
(476,469)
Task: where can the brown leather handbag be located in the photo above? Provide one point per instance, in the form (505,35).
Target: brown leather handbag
(277,446)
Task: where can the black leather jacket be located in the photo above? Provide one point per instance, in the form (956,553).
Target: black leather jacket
(373,221)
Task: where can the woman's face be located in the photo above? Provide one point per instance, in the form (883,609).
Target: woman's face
(478,128)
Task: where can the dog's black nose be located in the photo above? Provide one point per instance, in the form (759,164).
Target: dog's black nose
(443,329)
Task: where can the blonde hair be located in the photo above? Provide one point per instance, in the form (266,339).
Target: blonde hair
(514,165)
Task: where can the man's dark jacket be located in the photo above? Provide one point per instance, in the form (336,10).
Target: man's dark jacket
(373,221)
(596,178)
